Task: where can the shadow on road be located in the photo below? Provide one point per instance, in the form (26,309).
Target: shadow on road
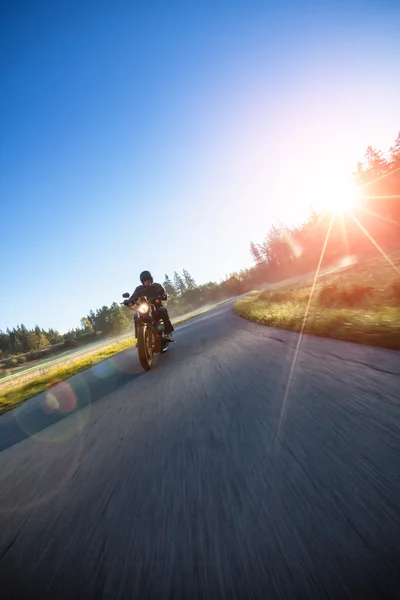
(68,397)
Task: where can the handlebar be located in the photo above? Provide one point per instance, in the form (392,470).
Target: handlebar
(142,299)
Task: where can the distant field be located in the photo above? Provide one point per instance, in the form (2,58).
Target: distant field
(40,365)
(360,303)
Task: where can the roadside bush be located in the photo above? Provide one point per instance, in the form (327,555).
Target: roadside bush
(395,290)
(70,343)
(11,362)
(85,338)
(297,295)
(277,297)
(357,295)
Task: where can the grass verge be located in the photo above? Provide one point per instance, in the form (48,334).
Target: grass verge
(16,393)
(360,303)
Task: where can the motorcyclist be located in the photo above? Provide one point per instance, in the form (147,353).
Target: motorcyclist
(155,293)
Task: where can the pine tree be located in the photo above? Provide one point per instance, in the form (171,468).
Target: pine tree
(189,281)
(375,161)
(37,341)
(256,253)
(179,284)
(395,154)
(86,325)
(169,286)
(91,317)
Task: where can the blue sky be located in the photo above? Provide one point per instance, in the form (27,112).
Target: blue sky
(167,135)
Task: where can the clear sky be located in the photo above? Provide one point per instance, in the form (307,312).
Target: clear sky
(168,135)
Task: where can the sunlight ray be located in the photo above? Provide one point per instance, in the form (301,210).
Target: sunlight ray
(344,234)
(371,212)
(364,185)
(296,352)
(369,236)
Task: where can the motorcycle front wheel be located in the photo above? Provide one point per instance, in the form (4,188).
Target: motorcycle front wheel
(145,348)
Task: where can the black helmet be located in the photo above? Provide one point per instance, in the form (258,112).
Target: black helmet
(146,276)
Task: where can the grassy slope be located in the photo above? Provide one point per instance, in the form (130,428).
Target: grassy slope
(360,304)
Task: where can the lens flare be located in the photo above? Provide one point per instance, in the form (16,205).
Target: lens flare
(104,369)
(293,244)
(62,399)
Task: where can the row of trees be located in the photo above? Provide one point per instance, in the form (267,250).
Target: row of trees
(21,344)
(185,295)
(283,253)
(21,340)
(373,223)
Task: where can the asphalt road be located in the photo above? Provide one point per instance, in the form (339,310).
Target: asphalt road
(207,477)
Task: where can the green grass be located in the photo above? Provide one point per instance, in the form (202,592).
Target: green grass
(360,303)
(16,393)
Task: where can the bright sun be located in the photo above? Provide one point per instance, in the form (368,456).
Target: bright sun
(336,197)
(322,191)
(341,198)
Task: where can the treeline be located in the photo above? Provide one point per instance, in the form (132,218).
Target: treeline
(184,295)
(285,252)
(21,341)
(19,345)
(371,226)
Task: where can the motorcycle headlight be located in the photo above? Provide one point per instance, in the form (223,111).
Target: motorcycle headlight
(143,308)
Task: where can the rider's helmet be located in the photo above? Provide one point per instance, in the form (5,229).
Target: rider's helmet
(145,276)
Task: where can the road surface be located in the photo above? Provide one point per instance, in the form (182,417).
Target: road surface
(208,477)
(30,371)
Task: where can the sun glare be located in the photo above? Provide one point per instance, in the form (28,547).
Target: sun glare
(340,198)
(322,191)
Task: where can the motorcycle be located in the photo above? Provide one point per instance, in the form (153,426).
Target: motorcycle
(150,331)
